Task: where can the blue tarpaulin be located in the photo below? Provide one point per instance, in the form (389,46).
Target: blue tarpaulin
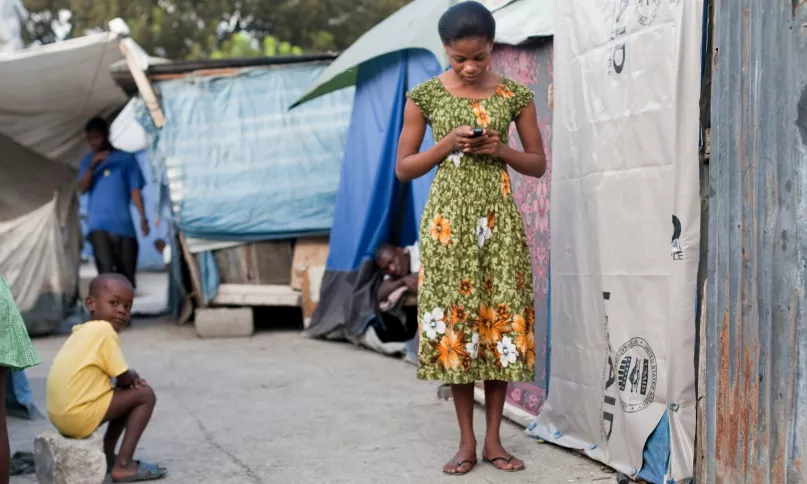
(239,165)
(372,207)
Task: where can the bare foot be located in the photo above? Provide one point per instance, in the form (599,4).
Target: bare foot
(463,461)
(501,459)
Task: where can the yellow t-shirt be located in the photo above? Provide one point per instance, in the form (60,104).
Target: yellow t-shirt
(79,389)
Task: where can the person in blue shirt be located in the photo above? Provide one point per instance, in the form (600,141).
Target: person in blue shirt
(113,180)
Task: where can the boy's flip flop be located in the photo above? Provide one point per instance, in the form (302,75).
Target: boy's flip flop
(505,459)
(145,472)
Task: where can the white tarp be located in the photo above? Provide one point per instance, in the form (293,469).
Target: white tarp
(12,15)
(625,134)
(125,133)
(49,93)
(39,234)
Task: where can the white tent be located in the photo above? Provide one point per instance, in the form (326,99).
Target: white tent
(48,93)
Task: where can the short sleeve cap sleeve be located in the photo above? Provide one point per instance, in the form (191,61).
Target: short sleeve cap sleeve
(110,355)
(423,96)
(520,96)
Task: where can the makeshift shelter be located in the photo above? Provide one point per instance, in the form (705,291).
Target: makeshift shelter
(39,235)
(47,95)
(50,92)
(244,177)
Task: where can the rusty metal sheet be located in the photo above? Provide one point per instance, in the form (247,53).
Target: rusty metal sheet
(756,421)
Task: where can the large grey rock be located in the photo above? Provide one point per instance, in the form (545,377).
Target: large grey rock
(224,322)
(60,460)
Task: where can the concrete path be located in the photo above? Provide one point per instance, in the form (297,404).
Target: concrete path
(279,408)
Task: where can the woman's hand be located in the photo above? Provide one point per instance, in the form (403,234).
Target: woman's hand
(490,143)
(461,138)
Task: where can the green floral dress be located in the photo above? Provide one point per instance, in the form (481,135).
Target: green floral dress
(475,301)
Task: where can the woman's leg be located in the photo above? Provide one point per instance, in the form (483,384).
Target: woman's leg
(495,394)
(463,396)
(5,452)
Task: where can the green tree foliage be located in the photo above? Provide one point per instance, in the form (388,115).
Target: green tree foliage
(216,28)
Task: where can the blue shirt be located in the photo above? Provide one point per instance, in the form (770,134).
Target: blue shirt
(110,192)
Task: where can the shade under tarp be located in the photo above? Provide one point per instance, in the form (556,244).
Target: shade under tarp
(48,94)
(39,235)
(415,27)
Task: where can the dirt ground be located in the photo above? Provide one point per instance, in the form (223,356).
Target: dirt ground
(280,408)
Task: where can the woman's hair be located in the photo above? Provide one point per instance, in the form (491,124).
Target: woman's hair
(464,20)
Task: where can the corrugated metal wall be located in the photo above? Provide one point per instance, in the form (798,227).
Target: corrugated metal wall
(756,421)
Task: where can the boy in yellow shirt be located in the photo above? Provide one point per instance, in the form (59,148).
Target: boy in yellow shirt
(80,394)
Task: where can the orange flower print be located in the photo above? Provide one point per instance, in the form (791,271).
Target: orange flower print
(441,230)
(489,327)
(487,283)
(451,351)
(506,186)
(529,315)
(525,341)
(504,91)
(458,315)
(503,312)
(482,116)
(421,276)
(491,220)
(466,287)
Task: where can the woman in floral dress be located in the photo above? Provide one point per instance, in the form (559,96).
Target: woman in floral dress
(475,300)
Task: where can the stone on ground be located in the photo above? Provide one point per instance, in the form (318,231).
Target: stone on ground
(60,460)
(224,323)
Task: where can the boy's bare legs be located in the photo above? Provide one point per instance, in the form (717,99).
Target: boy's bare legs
(132,406)
(5,452)
(113,433)
(463,396)
(495,395)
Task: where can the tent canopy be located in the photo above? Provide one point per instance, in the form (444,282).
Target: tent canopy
(50,92)
(416,28)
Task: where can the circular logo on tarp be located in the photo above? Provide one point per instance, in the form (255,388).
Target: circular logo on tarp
(636,375)
(647,10)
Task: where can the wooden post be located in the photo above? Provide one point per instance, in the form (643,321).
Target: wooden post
(143,86)
(196,281)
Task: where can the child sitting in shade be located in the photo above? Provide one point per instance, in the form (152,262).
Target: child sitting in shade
(80,392)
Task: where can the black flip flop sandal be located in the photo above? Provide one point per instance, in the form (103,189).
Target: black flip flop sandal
(505,459)
(460,464)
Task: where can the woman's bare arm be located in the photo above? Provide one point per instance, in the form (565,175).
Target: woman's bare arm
(411,162)
(531,161)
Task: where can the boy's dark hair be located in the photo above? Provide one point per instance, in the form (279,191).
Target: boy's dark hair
(381,249)
(98,284)
(464,20)
(97,125)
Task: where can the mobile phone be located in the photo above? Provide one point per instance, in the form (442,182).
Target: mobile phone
(477,132)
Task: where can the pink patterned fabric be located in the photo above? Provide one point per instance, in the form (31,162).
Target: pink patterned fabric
(531,65)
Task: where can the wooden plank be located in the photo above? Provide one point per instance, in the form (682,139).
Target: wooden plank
(256,295)
(309,304)
(196,280)
(307,253)
(144,87)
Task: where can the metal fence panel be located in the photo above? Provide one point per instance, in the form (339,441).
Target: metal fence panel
(756,422)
